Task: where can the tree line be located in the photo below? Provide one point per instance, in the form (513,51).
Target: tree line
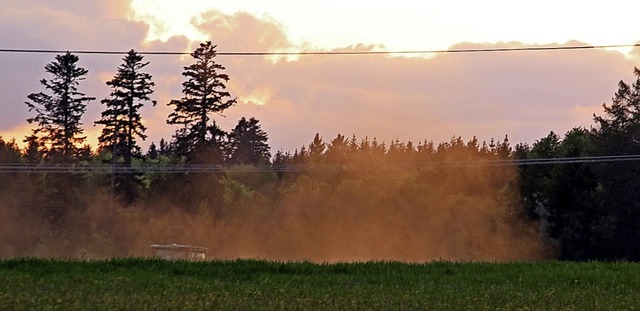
(577,211)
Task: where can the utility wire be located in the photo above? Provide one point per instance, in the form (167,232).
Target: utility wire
(329,53)
(221,168)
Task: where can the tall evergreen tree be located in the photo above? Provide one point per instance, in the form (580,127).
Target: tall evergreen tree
(337,150)
(164,148)
(59,139)
(131,88)
(152,152)
(317,149)
(618,133)
(33,152)
(204,93)
(248,143)
(58,112)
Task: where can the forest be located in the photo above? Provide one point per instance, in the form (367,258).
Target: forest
(569,197)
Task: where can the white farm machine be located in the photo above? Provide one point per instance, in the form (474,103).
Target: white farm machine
(179,252)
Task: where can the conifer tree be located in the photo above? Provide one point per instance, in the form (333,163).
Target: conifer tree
(316,149)
(152,153)
(204,93)
(9,151)
(248,143)
(618,133)
(59,110)
(164,148)
(338,150)
(131,88)
(33,152)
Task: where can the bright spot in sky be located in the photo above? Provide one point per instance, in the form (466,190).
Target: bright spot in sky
(409,24)
(167,18)
(258,97)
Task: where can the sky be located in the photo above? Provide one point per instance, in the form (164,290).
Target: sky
(524,95)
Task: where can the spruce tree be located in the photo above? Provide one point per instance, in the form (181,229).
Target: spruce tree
(338,150)
(204,93)
(59,138)
(248,143)
(33,152)
(131,88)
(152,152)
(617,133)
(164,148)
(59,110)
(317,149)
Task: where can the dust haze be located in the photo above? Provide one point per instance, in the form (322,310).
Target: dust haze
(429,213)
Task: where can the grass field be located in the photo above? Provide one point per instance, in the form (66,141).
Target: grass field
(143,284)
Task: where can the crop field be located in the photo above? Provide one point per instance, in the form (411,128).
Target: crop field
(145,284)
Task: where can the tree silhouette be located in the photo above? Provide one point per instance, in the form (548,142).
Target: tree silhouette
(152,152)
(337,150)
(121,119)
(9,151)
(130,89)
(204,93)
(618,133)
(58,112)
(33,152)
(248,143)
(316,149)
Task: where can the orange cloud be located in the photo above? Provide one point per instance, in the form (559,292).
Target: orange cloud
(521,94)
(243,32)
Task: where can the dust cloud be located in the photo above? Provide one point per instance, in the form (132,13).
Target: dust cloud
(429,213)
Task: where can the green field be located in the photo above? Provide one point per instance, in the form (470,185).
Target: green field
(143,284)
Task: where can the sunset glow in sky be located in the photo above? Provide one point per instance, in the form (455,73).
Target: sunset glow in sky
(408,24)
(521,94)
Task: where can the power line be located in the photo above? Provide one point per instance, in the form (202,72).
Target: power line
(221,168)
(335,53)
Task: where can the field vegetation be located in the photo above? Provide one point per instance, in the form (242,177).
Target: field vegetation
(144,284)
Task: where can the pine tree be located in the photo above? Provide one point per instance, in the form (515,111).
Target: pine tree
(618,133)
(164,148)
(121,119)
(280,162)
(59,111)
(316,149)
(59,138)
(204,93)
(152,153)
(33,152)
(248,143)
(338,150)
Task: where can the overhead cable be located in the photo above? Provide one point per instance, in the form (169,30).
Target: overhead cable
(333,52)
(221,168)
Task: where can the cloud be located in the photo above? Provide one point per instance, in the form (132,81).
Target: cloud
(244,32)
(522,94)
(68,24)
(90,9)
(60,25)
